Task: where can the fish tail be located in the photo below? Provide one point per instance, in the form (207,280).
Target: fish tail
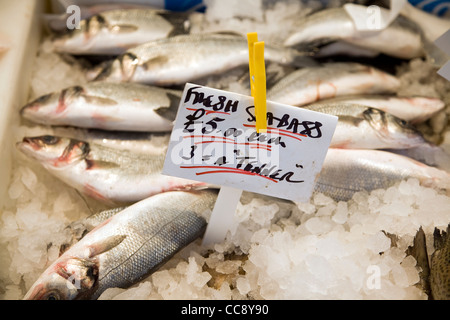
(419,252)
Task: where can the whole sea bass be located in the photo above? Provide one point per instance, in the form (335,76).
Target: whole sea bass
(412,109)
(347,171)
(401,39)
(127,247)
(113,32)
(183,58)
(307,85)
(362,127)
(108,106)
(106,174)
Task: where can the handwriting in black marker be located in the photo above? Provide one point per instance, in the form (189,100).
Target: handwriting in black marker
(308,128)
(193,148)
(223,104)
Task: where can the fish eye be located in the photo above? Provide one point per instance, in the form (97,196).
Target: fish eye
(52,296)
(50,140)
(402,122)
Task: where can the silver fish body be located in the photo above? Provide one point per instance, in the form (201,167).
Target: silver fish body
(308,85)
(401,39)
(113,32)
(127,247)
(106,174)
(183,58)
(107,106)
(411,109)
(362,127)
(135,142)
(347,171)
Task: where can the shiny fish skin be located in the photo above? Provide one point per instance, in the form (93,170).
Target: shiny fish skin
(136,142)
(183,58)
(113,32)
(401,39)
(107,106)
(411,109)
(307,85)
(347,171)
(126,248)
(362,127)
(107,174)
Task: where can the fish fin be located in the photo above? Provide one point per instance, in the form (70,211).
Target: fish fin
(99,164)
(440,238)
(122,28)
(99,101)
(154,62)
(105,245)
(170,112)
(419,251)
(179,20)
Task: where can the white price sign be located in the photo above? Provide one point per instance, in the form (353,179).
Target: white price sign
(214,140)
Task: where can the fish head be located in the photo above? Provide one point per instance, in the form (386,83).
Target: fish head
(54,151)
(120,69)
(81,37)
(52,105)
(67,279)
(390,127)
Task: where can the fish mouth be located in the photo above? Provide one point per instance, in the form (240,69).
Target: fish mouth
(29,108)
(29,147)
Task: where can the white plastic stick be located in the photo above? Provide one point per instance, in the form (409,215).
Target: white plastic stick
(222,215)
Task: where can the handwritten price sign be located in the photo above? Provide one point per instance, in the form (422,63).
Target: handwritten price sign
(214,140)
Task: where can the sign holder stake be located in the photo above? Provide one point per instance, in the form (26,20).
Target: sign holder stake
(222,215)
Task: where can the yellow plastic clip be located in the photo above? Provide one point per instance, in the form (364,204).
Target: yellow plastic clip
(258,80)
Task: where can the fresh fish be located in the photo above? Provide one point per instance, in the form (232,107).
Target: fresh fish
(411,109)
(56,23)
(401,39)
(108,106)
(113,32)
(106,174)
(362,127)
(140,142)
(307,85)
(127,247)
(435,270)
(347,171)
(183,58)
